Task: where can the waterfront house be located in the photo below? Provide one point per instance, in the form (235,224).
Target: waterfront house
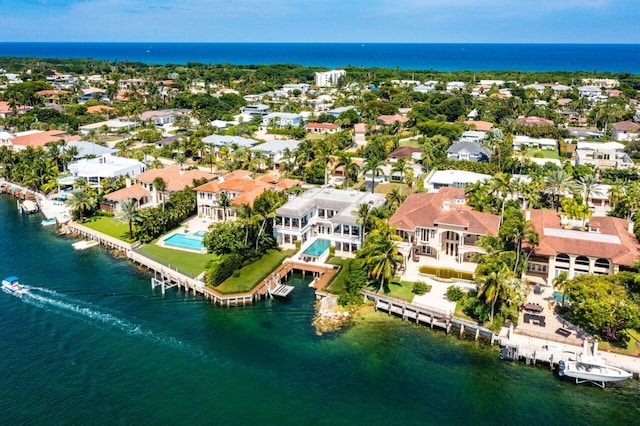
(328,213)
(442,225)
(240,188)
(176,179)
(469,151)
(602,155)
(136,193)
(625,130)
(106,166)
(602,245)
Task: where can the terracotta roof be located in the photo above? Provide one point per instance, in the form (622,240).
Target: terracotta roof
(426,210)
(623,250)
(176,178)
(238,174)
(483,126)
(360,127)
(534,121)
(50,92)
(248,197)
(390,119)
(134,191)
(626,126)
(99,109)
(242,185)
(43,138)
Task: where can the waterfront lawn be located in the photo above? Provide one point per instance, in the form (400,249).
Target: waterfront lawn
(247,278)
(627,346)
(402,290)
(108,225)
(338,285)
(191,264)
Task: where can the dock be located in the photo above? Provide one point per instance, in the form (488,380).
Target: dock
(84,244)
(428,316)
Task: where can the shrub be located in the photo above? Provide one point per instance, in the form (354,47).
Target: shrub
(332,251)
(420,288)
(222,267)
(454,293)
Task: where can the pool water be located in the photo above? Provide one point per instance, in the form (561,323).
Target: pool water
(318,247)
(191,241)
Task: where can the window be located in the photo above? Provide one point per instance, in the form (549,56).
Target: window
(602,263)
(562,258)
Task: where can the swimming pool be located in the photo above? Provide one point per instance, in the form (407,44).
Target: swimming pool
(191,241)
(318,247)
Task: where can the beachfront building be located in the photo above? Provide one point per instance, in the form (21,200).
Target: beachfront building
(107,166)
(240,188)
(602,155)
(442,225)
(329,78)
(327,213)
(602,245)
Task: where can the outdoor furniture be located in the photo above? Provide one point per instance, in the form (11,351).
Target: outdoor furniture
(537,290)
(533,307)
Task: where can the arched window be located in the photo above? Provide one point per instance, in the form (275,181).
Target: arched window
(602,263)
(562,258)
(582,260)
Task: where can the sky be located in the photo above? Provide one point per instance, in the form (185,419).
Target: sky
(390,21)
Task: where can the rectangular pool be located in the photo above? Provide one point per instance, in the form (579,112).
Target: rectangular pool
(318,247)
(186,241)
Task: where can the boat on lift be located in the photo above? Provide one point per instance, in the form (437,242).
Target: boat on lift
(589,367)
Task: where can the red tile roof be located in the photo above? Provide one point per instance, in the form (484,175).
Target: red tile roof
(176,178)
(134,191)
(390,119)
(623,253)
(404,151)
(41,139)
(626,126)
(329,126)
(483,126)
(426,210)
(534,121)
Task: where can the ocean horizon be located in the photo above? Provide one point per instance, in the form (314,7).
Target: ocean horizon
(526,57)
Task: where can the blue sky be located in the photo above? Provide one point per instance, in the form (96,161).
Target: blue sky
(420,21)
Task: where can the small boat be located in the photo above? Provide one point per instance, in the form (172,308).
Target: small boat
(591,368)
(11,285)
(85,244)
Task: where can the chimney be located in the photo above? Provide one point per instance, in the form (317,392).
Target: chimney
(630,227)
(127,182)
(220,178)
(527,215)
(446,205)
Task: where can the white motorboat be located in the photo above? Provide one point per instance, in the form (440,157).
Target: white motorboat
(11,285)
(590,367)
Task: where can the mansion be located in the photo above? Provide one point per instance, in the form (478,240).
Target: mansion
(441,223)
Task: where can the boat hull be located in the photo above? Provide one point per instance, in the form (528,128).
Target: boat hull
(602,374)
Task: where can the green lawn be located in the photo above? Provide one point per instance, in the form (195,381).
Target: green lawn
(252,274)
(110,226)
(401,290)
(191,264)
(385,188)
(338,284)
(414,144)
(542,153)
(627,346)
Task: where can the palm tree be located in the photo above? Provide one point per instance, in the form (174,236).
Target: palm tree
(363,213)
(160,185)
(81,200)
(401,167)
(560,284)
(373,165)
(590,187)
(380,254)
(500,185)
(224,202)
(494,286)
(559,182)
(128,213)
(395,198)
(616,193)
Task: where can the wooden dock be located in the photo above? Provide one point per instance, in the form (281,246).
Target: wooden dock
(428,316)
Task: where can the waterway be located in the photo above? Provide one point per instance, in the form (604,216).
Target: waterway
(92,343)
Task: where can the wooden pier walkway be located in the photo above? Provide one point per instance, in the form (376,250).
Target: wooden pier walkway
(428,316)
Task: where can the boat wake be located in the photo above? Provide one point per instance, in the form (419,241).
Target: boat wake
(62,304)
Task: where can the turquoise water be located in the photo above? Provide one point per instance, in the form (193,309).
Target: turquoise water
(93,344)
(192,241)
(318,247)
